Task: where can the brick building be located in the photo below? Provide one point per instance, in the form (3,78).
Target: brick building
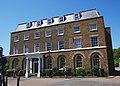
(73,40)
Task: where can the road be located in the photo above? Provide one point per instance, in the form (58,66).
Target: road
(115,81)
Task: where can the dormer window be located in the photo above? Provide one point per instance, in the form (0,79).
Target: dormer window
(77,16)
(39,23)
(49,21)
(28,25)
(61,19)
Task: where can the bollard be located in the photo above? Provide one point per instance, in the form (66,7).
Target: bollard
(18,81)
(6,84)
(0,81)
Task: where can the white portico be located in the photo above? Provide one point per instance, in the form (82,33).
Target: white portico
(34,64)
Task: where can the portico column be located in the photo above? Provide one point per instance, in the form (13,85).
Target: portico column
(38,75)
(31,66)
(26,74)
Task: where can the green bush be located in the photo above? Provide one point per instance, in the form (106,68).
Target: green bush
(49,72)
(88,73)
(74,74)
(55,69)
(96,71)
(59,73)
(9,72)
(81,71)
(68,71)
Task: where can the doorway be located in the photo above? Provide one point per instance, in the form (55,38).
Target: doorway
(35,67)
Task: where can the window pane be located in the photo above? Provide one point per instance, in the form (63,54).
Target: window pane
(93,27)
(26,37)
(48,33)
(78,61)
(96,61)
(16,49)
(37,47)
(94,41)
(76,16)
(62,62)
(48,46)
(38,23)
(16,38)
(26,49)
(49,63)
(61,44)
(60,32)
(49,21)
(76,29)
(77,43)
(36,35)
(61,19)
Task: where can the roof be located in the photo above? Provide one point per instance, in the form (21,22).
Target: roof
(68,18)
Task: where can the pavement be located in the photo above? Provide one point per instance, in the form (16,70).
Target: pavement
(34,81)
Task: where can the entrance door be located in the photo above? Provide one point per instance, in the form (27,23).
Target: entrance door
(35,67)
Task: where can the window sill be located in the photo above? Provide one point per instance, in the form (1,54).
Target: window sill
(37,38)
(93,30)
(48,36)
(77,32)
(60,34)
(16,41)
(26,39)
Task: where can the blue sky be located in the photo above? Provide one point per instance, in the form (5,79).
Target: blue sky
(14,12)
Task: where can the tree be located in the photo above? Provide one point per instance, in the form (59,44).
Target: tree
(116,53)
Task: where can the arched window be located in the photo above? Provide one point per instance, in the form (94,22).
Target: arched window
(49,63)
(61,62)
(78,61)
(24,64)
(15,64)
(95,61)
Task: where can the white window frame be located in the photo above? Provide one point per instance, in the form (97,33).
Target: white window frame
(35,47)
(97,41)
(29,24)
(35,35)
(16,39)
(75,16)
(25,36)
(16,52)
(47,47)
(46,35)
(48,66)
(59,45)
(63,19)
(76,62)
(39,23)
(76,31)
(25,49)
(60,33)
(49,21)
(61,68)
(92,27)
(77,44)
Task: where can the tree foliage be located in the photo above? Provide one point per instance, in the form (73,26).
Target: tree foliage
(116,53)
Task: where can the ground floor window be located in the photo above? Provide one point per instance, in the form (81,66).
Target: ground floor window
(15,64)
(78,61)
(95,61)
(48,63)
(61,62)
(24,64)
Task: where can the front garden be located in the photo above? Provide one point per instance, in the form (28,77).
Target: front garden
(66,72)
